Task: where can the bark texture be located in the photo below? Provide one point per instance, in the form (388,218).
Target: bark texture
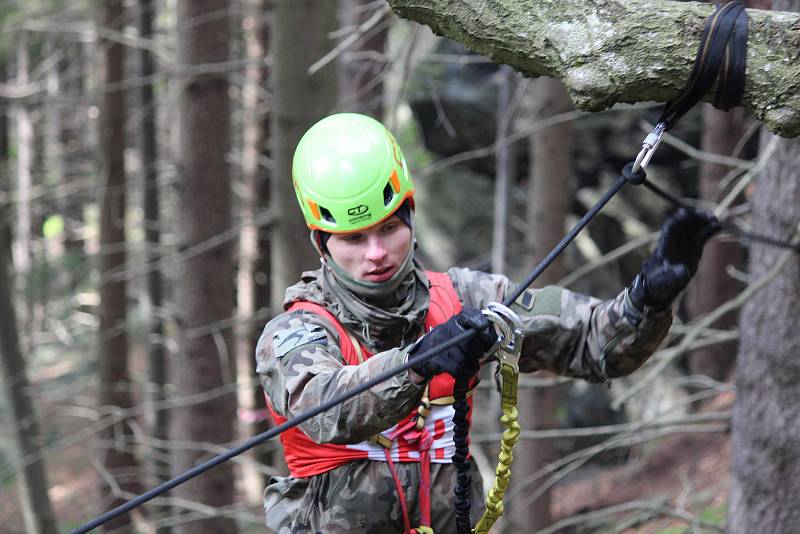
(22,426)
(765,462)
(114,393)
(204,287)
(300,100)
(766,429)
(156,420)
(610,51)
(253,278)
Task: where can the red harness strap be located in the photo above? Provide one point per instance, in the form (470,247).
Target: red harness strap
(444,303)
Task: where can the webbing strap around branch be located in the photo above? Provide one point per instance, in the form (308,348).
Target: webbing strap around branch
(721,57)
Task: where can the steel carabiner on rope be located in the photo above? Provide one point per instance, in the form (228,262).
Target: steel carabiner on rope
(649,146)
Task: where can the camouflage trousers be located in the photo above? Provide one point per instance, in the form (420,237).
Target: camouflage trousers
(360,498)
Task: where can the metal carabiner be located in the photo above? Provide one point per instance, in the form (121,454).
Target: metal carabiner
(649,146)
(508,327)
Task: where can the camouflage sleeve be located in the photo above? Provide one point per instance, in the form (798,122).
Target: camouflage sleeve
(570,333)
(301,366)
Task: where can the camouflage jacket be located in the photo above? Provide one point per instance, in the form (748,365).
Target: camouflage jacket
(300,366)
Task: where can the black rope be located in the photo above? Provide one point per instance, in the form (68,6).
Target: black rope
(461,440)
(726,226)
(567,239)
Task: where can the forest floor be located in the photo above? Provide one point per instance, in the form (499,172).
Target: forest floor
(683,475)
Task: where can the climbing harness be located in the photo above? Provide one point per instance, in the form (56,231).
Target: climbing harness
(721,56)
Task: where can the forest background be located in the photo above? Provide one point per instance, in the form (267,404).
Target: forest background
(148,229)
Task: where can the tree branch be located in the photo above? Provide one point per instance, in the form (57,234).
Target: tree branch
(610,51)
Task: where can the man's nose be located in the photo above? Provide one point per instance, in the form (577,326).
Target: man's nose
(376,249)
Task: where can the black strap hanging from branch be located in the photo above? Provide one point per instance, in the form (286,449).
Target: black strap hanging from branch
(721,57)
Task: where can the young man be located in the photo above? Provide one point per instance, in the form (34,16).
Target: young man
(381,462)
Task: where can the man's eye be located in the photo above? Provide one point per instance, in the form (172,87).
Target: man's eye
(352,238)
(389,228)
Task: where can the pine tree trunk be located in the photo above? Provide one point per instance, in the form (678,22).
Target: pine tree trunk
(712,285)
(22,246)
(114,392)
(22,424)
(253,287)
(549,197)
(766,448)
(204,288)
(299,100)
(766,430)
(157,419)
(72,123)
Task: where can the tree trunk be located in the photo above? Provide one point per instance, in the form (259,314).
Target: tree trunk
(505,167)
(712,285)
(74,156)
(766,447)
(204,288)
(22,247)
(613,51)
(22,423)
(253,277)
(765,459)
(157,419)
(362,65)
(549,197)
(299,100)
(114,390)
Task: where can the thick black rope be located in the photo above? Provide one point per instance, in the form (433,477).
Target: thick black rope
(462,502)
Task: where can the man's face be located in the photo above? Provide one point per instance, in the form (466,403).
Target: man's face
(374,254)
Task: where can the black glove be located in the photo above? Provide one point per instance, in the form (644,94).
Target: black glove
(461,361)
(674,261)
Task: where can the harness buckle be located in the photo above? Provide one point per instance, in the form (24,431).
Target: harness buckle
(508,327)
(649,146)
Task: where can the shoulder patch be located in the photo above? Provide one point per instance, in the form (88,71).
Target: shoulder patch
(548,301)
(286,340)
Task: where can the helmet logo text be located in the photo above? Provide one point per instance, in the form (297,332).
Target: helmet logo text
(358,210)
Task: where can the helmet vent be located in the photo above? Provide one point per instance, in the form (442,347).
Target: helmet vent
(388,194)
(327,215)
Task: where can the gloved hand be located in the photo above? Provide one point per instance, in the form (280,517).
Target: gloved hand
(460,361)
(674,261)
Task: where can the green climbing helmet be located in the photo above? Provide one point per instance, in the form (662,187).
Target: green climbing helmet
(349,174)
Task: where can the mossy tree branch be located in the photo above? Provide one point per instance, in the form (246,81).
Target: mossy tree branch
(609,51)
